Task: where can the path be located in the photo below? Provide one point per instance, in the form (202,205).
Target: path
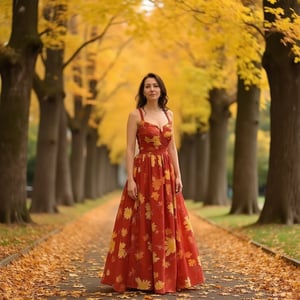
(74,258)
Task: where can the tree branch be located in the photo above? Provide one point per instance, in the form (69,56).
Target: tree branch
(256,28)
(98,37)
(190,54)
(45,31)
(38,87)
(110,66)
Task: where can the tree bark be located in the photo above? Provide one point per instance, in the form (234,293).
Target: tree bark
(202,149)
(282,202)
(245,185)
(79,125)
(50,93)
(91,163)
(17,63)
(217,180)
(102,170)
(99,172)
(78,157)
(44,192)
(64,194)
(183,161)
(188,165)
(79,128)
(192,167)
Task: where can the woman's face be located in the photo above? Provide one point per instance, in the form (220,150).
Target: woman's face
(151,89)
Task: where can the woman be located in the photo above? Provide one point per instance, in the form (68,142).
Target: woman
(153,246)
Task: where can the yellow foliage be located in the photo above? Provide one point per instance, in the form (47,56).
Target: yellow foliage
(97,59)
(5,21)
(194,45)
(287,23)
(221,37)
(193,53)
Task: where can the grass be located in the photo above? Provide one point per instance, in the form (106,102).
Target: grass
(14,238)
(283,239)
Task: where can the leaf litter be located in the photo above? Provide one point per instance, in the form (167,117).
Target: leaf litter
(233,267)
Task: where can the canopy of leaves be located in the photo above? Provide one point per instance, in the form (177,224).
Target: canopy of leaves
(195,45)
(287,22)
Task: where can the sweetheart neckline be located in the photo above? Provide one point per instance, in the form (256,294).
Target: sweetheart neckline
(155,125)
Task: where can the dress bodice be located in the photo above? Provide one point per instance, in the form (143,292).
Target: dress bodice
(152,138)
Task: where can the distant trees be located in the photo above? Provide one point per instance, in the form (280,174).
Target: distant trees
(17,66)
(237,38)
(229,53)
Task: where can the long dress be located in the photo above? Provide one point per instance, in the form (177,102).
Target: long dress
(153,246)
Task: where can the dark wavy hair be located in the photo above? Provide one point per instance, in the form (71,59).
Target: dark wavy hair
(163,99)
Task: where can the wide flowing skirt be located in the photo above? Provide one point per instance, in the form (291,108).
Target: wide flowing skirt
(153,246)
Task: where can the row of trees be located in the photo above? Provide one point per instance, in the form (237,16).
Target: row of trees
(248,35)
(91,60)
(55,181)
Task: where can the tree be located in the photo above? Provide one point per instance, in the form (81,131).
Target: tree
(17,63)
(245,173)
(217,180)
(52,154)
(245,182)
(244,50)
(84,105)
(50,93)
(282,200)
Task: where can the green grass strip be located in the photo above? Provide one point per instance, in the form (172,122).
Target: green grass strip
(282,239)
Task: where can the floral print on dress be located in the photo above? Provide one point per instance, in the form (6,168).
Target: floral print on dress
(152,246)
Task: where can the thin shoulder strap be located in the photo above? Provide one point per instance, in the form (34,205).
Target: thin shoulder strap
(166,113)
(141,114)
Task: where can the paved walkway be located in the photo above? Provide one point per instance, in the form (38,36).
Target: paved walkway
(68,266)
(220,284)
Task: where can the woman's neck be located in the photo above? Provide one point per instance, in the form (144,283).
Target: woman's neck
(152,107)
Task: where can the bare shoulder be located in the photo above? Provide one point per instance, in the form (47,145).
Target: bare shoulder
(134,115)
(170,114)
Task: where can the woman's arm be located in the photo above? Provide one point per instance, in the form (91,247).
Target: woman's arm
(130,153)
(172,149)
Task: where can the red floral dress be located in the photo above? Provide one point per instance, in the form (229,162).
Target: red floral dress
(153,246)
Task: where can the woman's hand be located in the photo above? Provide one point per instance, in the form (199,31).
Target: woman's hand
(178,185)
(132,189)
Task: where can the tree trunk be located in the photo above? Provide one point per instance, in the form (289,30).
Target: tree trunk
(50,94)
(111,177)
(17,63)
(44,186)
(99,171)
(217,180)
(183,161)
(102,170)
(91,165)
(78,125)
(202,149)
(245,186)
(78,157)
(188,166)
(192,167)
(64,194)
(78,154)
(115,169)
(282,203)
